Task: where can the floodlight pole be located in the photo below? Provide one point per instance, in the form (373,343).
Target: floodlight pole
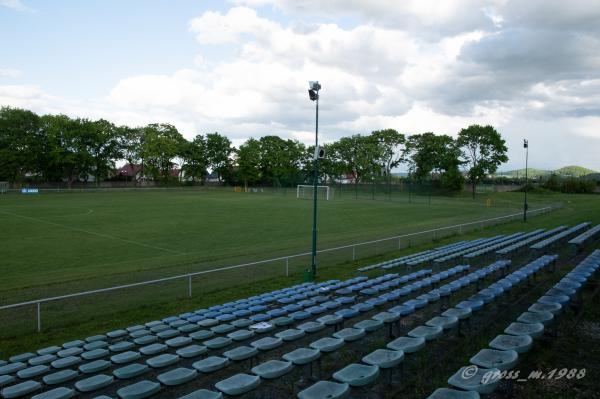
(525,205)
(313,265)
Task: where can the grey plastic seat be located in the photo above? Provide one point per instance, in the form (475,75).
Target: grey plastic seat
(290,335)
(302,356)
(554,308)
(94,383)
(267,343)
(49,350)
(327,344)
(56,393)
(12,368)
(238,384)
(533,330)
(483,381)
(178,342)
(65,362)
(446,393)
(350,334)
(70,352)
(384,358)
(240,335)
(95,366)
(217,343)
(153,349)
(163,360)
(96,354)
(146,340)
(325,390)
(210,364)
(330,319)
(43,359)
(130,371)
(23,357)
(311,326)
(460,314)
(240,323)
(116,334)
(387,317)
(272,369)
(31,372)
(191,351)
(59,377)
(201,335)
(139,390)
(519,344)
(222,328)
(177,376)
(73,344)
(7,379)
(427,332)
(120,346)
(282,321)
(357,375)
(445,322)
(407,344)
(545,318)
(21,389)
(491,358)
(125,357)
(241,353)
(203,394)
(369,325)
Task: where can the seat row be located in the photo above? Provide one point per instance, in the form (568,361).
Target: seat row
(586,236)
(513,248)
(557,237)
(485,372)
(506,243)
(430,257)
(495,240)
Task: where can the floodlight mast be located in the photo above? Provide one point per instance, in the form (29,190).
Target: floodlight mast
(313,94)
(525,205)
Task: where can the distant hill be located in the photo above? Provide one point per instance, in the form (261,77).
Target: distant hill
(576,171)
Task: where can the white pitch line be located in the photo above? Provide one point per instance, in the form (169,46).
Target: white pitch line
(93,233)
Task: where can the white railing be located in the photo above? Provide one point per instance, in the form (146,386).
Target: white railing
(434,235)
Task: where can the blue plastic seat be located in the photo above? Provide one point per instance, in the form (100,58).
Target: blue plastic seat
(139,390)
(357,375)
(238,384)
(325,390)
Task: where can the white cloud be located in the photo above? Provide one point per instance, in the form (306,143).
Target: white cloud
(15,5)
(9,73)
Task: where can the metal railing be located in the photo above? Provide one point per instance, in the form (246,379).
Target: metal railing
(433,234)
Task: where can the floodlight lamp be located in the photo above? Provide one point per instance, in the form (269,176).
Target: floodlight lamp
(525,143)
(314,85)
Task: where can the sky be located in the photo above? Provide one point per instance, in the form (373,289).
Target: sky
(241,67)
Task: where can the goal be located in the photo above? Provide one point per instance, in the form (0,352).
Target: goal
(305,191)
(4,187)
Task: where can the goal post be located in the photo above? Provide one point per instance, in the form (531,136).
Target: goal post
(305,191)
(4,187)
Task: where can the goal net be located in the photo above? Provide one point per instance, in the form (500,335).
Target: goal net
(306,192)
(4,187)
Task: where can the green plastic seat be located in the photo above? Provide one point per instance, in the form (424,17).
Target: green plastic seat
(170,333)
(238,384)
(369,325)
(210,364)
(407,344)
(188,328)
(483,381)
(59,377)
(178,342)
(241,353)
(325,390)
(164,360)
(201,335)
(545,318)
(445,322)
(491,358)
(191,351)
(177,376)
(94,383)
(520,343)
(327,344)
(65,362)
(427,332)
(32,372)
(357,375)
(533,330)
(350,334)
(384,358)
(239,323)
(240,335)
(70,352)
(153,349)
(311,326)
(20,390)
(282,321)
(139,390)
(290,335)
(460,314)
(94,354)
(125,357)
(272,369)
(222,328)
(302,356)
(217,343)
(446,393)
(56,393)
(267,343)
(203,394)
(130,371)
(95,366)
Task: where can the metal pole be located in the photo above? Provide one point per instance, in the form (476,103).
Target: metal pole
(526,145)
(287,267)
(39,318)
(315,178)
(190,286)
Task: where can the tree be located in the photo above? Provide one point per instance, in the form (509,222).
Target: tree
(280,160)
(483,150)
(390,144)
(103,147)
(130,145)
(20,144)
(195,161)
(358,154)
(248,161)
(161,144)
(218,152)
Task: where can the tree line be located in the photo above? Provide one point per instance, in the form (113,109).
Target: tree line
(60,148)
